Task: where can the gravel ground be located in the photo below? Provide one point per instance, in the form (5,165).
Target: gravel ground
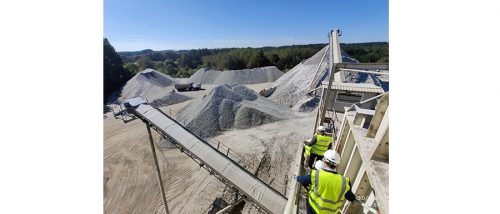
(230,106)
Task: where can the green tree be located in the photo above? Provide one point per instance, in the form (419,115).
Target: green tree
(171,71)
(275,58)
(144,62)
(260,60)
(114,73)
(132,67)
(156,56)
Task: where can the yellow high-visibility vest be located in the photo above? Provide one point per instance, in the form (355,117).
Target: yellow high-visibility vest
(307,149)
(321,145)
(327,192)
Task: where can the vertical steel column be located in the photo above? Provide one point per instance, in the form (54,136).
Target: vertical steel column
(121,110)
(157,168)
(334,59)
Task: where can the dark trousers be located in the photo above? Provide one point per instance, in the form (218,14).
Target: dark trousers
(311,161)
(309,209)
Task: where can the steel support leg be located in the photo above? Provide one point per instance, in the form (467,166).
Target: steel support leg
(157,168)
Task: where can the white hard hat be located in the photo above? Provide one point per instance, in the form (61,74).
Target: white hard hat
(321,128)
(318,165)
(332,157)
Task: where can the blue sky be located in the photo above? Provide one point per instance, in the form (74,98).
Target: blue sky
(133,25)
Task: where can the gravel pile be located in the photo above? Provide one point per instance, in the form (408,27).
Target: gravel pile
(244,76)
(347,58)
(249,76)
(306,104)
(230,107)
(153,86)
(156,78)
(358,77)
(204,76)
(291,88)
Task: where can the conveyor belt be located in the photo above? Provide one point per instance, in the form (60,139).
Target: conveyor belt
(247,184)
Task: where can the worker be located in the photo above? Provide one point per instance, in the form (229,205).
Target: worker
(328,189)
(319,143)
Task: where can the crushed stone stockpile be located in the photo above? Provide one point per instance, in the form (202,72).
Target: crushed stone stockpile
(205,76)
(291,88)
(153,86)
(244,76)
(249,76)
(347,58)
(230,107)
(358,77)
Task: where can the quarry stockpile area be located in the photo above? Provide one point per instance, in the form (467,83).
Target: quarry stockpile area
(230,106)
(266,131)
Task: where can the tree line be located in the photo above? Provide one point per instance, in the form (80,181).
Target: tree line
(184,63)
(119,67)
(368,52)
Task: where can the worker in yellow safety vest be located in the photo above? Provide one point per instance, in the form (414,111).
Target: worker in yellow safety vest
(307,152)
(318,144)
(329,190)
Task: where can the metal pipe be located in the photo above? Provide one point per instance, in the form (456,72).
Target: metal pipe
(230,206)
(369,66)
(367,100)
(121,110)
(157,169)
(113,109)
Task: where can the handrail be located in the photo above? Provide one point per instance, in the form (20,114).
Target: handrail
(294,199)
(362,71)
